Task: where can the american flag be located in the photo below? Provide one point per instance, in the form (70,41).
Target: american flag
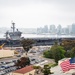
(72,63)
(68,64)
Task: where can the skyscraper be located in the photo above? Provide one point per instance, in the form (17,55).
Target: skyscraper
(45,29)
(69,29)
(59,29)
(52,29)
(73,29)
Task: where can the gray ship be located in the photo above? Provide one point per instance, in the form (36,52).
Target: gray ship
(14,34)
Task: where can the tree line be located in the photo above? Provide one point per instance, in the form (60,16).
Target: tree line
(57,52)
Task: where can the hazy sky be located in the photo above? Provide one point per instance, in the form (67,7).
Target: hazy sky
(36,13)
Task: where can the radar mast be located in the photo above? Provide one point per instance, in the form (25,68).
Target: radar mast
(13,26)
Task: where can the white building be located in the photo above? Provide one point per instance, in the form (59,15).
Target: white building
(6,53)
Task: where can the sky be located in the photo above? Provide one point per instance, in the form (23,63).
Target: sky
(36,13)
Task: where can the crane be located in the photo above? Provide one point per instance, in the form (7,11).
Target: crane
(2,45)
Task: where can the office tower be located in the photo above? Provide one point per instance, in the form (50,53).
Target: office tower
(52,29)
(59,29)
(73,29)
(45,29)
(69,28)
(39,30)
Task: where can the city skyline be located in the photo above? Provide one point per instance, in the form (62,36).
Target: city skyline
(37,13)
(52,29)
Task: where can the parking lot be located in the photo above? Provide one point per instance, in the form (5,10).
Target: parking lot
(36,56)
(7,65)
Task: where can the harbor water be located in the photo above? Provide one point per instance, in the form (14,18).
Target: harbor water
(42,36)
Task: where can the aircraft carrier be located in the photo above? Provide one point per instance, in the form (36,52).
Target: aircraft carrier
(13,38)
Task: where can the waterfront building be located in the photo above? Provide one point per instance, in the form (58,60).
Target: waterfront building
(45,29)
(59,29)
(73,29)
(39,30)
(69,28)
(52,29)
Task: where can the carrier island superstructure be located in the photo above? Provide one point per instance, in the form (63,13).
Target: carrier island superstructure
(15,34)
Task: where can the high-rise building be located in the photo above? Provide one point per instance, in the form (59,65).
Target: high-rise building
(42,30)
(45,29)
(59,29)
(66,31)
(69,29)
(73,29)
(39,30)
(52,29)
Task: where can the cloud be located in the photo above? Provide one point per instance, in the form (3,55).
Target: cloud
(34,13)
